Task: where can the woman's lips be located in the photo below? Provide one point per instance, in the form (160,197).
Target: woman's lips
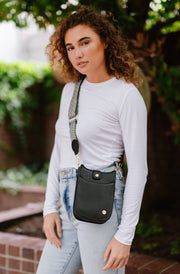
(82,64)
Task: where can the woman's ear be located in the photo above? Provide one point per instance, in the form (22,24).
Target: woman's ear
(105,44)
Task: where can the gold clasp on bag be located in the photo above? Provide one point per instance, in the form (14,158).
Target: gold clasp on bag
(73,118)
(117,167)
(78,160)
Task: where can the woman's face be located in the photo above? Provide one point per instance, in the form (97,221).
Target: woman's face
(86,52)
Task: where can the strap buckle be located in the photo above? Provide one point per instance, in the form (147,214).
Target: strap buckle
(78,159)
(73,118)
(118,166)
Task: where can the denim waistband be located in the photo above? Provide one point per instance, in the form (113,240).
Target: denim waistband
(72,172)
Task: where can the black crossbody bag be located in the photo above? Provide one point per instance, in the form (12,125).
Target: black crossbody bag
(94,193)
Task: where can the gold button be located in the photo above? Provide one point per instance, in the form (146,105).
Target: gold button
(104,212)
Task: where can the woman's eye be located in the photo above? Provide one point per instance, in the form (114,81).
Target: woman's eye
(85,43)
(70,48)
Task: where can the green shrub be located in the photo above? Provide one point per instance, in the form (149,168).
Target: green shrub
(146,229)
(13,179)
(167,81)
(24,88)
(175,247)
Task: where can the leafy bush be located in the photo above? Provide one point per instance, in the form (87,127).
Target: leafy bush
(175,247)
(163,79)
(146,229)
(167,81)
(24,88)
(14,178)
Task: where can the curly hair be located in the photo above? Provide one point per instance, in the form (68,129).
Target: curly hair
(119,61)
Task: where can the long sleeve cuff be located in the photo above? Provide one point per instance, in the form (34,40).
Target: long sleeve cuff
(125,235)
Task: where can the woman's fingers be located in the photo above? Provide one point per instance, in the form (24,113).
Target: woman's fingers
(109,264)
(107,253)
(51,225)
(115,263)
(58,227)
(117,253)
(120,262)
(53,239)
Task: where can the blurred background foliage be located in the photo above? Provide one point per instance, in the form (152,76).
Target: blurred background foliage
(20,97)
(151,27)
(29,95)
(128,14)
(14,178)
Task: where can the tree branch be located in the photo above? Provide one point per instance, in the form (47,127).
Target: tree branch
(159,25)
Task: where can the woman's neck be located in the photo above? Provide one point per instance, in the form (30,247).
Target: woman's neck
(99,78)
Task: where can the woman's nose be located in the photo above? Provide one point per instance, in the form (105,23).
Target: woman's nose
(78,53)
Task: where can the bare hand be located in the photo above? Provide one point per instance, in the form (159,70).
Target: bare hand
(52,224)
(117,253)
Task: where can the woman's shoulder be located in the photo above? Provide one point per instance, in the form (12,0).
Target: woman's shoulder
(69,87)
(125,86)
(126,95)
(67,91)
(122,90)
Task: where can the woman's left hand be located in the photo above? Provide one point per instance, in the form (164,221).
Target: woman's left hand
(117,253)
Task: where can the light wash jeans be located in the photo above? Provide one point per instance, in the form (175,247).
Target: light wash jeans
(82,243)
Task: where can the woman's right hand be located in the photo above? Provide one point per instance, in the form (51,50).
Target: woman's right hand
(52,228)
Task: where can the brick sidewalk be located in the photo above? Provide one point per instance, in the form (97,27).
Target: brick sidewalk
(20,255)
(144,264)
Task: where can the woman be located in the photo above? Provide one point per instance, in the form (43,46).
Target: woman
(111,118)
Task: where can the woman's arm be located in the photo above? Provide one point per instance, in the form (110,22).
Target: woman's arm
(133,121)
(52,190)
(52,223)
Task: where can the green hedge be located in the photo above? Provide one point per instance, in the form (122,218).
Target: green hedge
(12,179)
(24,88)
(166,80)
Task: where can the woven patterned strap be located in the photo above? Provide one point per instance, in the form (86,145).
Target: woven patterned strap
(72,114)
